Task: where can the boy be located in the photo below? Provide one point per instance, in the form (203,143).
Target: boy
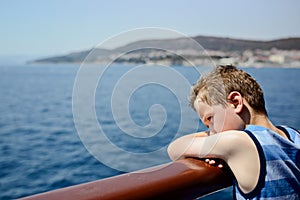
(264,159)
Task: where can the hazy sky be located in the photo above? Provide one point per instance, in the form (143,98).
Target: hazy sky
(51,27)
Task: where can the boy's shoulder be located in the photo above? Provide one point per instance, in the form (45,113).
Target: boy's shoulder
(292,133)
(266,136)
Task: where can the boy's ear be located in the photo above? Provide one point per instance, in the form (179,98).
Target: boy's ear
(235,100)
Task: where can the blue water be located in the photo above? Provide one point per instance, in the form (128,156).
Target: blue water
(40,149)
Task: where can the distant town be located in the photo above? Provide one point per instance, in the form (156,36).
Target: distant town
(248,58)
(260,58)
(216,50)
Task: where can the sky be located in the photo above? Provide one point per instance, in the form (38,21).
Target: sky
(55,27)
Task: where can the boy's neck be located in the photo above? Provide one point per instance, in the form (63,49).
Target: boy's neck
(263,120)
(260,120)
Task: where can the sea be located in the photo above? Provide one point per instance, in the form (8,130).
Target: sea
(67,124)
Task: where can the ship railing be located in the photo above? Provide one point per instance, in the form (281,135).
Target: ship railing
(183,179)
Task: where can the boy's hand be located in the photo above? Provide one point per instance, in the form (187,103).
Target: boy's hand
(214,162)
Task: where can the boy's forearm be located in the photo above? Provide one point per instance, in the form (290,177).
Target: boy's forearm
(178,148)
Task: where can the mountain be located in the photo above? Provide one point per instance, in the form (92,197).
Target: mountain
(218,44)
(73,57)
(227,44)
(179,44)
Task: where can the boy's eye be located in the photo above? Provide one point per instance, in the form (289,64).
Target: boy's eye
(207,120)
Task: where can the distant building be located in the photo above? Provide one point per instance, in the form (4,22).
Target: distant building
(280,59)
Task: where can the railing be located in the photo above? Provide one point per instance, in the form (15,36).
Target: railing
(183,179)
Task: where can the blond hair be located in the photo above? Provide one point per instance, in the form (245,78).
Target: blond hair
(214,88)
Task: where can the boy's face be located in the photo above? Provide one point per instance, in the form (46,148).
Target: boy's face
(217,118)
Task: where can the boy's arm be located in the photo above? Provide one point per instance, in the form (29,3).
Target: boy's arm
(236,148)
(198,145)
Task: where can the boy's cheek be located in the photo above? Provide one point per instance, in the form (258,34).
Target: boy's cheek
(218,128)
(219,123)
(212,130)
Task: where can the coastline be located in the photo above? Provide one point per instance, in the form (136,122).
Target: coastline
(249,58)
(212,50)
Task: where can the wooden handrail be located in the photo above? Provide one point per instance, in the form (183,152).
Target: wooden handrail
(183,179)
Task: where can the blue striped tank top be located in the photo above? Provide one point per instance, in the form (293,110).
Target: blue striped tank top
(279,177)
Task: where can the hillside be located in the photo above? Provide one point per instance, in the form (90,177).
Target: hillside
(224,46)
